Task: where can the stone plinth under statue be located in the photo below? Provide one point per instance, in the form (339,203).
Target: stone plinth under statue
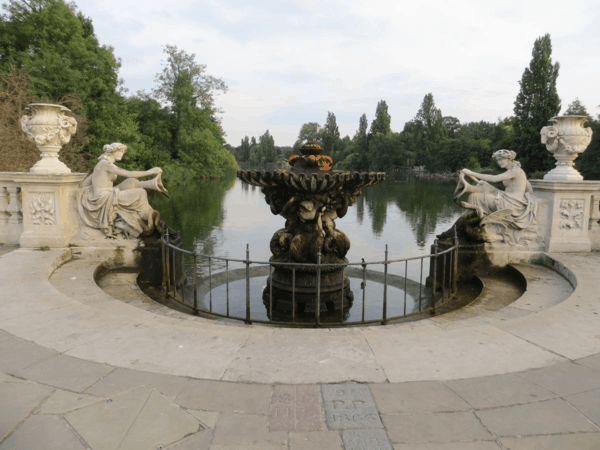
(310,196)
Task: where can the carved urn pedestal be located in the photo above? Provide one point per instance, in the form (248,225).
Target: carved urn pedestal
(310,196)
(569,199)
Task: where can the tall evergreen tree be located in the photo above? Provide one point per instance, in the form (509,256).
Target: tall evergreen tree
(267,144)
(245,149)
(576,108)
(330,134)
(383,120)
(536,103)
(430,131)
(361,140)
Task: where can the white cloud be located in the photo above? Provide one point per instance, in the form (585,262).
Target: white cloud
(291,62)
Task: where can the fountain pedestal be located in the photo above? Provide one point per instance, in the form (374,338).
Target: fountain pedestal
(310,196)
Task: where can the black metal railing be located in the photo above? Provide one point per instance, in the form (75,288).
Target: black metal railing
(439,290)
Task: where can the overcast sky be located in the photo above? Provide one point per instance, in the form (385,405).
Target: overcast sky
(290,62)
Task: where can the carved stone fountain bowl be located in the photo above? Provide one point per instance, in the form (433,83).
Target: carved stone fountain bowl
(311,182)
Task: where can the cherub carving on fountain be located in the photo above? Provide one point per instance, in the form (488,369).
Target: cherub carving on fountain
(503,215)
(123,211)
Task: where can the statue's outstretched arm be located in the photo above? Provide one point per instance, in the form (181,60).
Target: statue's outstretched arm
(490,178)
(134,173)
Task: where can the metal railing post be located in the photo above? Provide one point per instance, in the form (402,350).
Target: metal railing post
(385,271)
(248,321)
(318,311)
(342,308)
(434,281)
(168,265)
(227,281)
(293,294)
(364,287)
(455,268)
(195,281)
(210,284)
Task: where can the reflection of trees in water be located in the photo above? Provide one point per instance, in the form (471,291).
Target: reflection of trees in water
(195,210)
(360,209)
(423,201)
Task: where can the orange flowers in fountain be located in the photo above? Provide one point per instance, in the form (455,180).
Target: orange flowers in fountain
(323,162)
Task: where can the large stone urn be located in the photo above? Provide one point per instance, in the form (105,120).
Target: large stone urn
(49,129)
(566,139)
(310,196)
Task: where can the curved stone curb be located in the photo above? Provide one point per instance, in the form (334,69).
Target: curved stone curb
(108,331)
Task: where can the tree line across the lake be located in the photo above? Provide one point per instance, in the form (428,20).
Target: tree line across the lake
(442,143)
(49,52)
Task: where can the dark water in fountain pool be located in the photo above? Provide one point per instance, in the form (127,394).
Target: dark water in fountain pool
(405,212)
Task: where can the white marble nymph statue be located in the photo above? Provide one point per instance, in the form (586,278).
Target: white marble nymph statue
(509,211)
(123,211)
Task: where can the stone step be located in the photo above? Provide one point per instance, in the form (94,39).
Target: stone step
(518,291)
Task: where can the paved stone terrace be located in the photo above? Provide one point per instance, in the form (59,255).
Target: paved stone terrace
(51,399)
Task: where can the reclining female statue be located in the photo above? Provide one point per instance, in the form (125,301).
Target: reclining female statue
(514,208)
(122,211)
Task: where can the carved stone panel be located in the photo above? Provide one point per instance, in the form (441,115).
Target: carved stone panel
(42,208)
(571,214)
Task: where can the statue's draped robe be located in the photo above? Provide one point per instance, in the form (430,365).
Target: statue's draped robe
(114,210)
(523,211)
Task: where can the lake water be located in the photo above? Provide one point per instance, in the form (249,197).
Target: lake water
(220,218)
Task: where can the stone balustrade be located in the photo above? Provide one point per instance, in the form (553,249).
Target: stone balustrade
(11,214)
(38,210)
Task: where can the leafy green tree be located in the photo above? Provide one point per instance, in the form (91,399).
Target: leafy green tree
(330,135)
(267,146)
(429,131)
(245,149)
(310,131)
(452,126)
(204,87)
(55,44)
(588,163)
(383,120)
(536,103)
(576,108)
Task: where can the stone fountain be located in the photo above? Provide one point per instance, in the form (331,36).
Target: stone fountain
(310,196)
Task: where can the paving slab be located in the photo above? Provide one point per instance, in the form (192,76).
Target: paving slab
(66,372)
(200,352)
(588,404)
(564,379)
(293,358)
(425,396)
(480,445)
(261,446)
(16,354)
(498,390)
(348,406)
(208,419)
(434,427)
(365,439)
(550,416)
(18,400)
(296,408)
(104,425)
(316,440)
(160,423)
(121,380)
(593,362)
(427,355)
(61,402)
(246,429)
(44,432)
(197,441)
(588,441)
(4,335)
(225,397)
